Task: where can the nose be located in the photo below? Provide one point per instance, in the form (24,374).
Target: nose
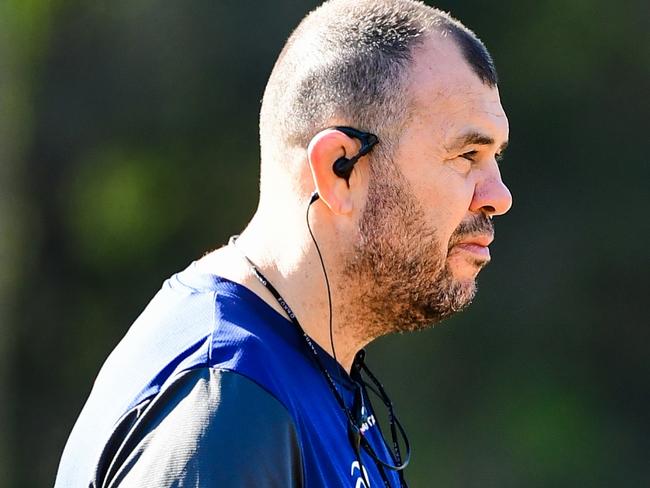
(491,196)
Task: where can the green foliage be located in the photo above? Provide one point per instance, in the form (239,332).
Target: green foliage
(119,207)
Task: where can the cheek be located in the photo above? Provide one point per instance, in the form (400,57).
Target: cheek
(446,199)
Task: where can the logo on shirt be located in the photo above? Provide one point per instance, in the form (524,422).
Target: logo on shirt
(362,475)
(367,421)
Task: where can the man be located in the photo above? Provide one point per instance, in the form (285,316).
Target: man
(245,369)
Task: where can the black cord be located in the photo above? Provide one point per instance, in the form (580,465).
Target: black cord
(327,281)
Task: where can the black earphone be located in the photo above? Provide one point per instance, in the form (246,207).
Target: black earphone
(343,166)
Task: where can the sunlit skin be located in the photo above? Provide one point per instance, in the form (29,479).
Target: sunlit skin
(454,176)
(447,157)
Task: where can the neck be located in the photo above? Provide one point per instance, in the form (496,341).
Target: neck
(289,260)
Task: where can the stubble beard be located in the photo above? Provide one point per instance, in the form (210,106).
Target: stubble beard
(397,271)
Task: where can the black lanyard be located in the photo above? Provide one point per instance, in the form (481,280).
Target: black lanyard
(357,439)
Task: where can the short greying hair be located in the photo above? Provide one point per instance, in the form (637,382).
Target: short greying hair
(348,60)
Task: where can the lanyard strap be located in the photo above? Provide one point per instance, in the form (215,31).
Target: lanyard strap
(292,316)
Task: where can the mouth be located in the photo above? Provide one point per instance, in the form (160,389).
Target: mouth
(475,245)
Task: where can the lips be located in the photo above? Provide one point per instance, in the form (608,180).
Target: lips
(472,238)
(479,240)
(476,244)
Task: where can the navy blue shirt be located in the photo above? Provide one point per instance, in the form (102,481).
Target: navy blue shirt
(212,387)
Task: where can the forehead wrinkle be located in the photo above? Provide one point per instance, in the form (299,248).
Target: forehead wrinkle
(453,102)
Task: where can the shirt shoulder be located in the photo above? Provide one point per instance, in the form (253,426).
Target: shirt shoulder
(209,428)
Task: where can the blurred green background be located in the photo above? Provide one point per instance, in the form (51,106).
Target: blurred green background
(128,148)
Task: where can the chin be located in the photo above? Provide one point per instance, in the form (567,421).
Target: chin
(466,270)
(465,287)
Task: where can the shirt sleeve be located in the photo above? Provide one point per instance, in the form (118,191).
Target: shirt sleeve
(210,428)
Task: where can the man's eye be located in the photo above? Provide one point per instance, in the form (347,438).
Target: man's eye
(469,155)
(499,158)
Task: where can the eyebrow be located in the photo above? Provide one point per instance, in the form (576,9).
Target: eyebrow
(476,138)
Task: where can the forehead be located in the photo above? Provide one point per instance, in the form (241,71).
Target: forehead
(448,97)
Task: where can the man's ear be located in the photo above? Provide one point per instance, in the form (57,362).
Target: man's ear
(324,149)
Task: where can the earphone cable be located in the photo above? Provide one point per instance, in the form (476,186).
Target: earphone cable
(327,282)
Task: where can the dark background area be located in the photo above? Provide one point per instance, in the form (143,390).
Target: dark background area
(128,148)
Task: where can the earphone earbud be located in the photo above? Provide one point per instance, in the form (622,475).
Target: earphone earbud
(343,166)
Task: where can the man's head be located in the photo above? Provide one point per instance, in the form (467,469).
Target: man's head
(413,222)
(350,61)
